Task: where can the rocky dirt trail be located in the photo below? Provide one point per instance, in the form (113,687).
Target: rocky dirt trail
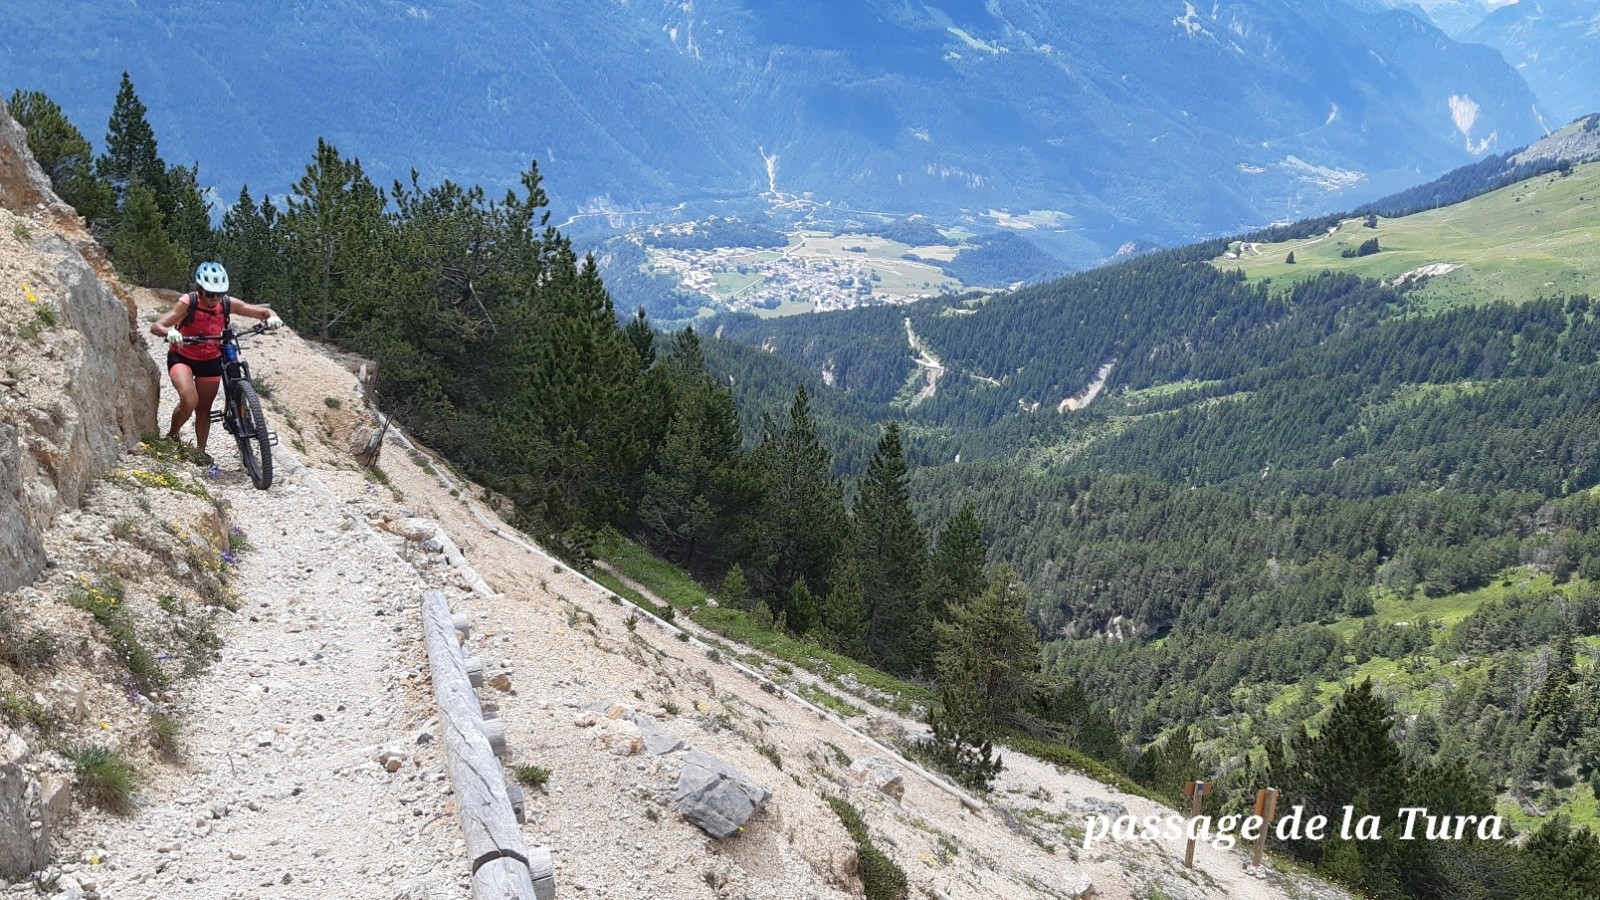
(281,791)
(321,687)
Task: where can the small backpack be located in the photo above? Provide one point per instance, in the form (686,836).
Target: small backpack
(191,299)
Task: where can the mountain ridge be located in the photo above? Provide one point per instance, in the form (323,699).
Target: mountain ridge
(1146,121)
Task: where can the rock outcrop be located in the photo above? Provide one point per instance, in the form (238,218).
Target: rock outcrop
(78,387)
(716,796)
(31,807)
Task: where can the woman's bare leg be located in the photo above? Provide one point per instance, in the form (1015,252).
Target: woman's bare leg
(188,398)
(207,389)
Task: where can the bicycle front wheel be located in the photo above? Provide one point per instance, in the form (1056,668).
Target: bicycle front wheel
(255,440)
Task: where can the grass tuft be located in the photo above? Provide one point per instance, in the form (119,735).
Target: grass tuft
(103,600)
(881,879)
(165,736)
(16,710)
(28,649)
(532,776)
(105,779)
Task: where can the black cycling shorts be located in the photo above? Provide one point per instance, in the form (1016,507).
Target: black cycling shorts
(208,368)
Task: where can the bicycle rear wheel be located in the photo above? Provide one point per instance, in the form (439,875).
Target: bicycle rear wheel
(255,441)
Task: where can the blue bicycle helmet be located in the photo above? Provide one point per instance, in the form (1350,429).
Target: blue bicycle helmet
(212,277)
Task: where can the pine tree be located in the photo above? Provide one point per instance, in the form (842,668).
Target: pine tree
(800,609)
(186,212)
(988,657)
(333,231)
(65,155)
(685,360)
(255,259)
(1353,754)
(801,527)
(1552,700)
(1352,761)
(844,611)
(1559,862)
(642,338)
(1166,767)
(956,569)
(580,386)
(141,248)
(961,743)
(893,550)
(131,157)
(733,593)
(691,489)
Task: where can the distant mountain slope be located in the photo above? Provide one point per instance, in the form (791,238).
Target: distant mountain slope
(1555,44)
(1147,120)
(1536,238)
(1171,321)
(1454,17)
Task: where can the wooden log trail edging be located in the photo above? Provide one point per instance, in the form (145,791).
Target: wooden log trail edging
(965,799)
(502,866)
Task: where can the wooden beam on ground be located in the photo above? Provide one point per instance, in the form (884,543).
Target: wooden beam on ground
(495,850)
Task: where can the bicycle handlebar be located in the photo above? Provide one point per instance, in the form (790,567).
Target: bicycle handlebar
(203,338)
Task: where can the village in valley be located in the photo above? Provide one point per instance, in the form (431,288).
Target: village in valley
(816,272)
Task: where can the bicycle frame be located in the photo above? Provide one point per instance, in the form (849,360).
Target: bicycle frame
(234,370)
(241,410)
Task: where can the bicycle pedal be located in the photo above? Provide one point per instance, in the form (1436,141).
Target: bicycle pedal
(272,439)
(216,415)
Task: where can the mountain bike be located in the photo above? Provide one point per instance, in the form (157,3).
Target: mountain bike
(241,408)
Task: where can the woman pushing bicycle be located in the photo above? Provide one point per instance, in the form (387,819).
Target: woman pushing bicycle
(196,368)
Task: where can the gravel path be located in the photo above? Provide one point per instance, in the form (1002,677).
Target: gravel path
(281,793)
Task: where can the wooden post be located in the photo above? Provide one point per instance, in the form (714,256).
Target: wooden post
(495,730)
(1266,808)
(501,865)
(1198,790)
(517,807)
(542,869)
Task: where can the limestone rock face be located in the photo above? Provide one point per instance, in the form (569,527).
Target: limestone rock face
(21,550)
(76,391)
(24,826)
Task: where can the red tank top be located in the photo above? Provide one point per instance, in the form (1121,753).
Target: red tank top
(204,323)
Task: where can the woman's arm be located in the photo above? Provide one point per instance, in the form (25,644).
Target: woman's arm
(173,316)
(255,311)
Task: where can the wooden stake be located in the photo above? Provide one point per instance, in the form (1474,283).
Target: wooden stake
(1266,808)
(1198,790)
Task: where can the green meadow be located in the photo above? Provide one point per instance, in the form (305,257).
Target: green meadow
(1539,237)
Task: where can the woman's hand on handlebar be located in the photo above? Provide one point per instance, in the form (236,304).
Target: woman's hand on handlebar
(174,337)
